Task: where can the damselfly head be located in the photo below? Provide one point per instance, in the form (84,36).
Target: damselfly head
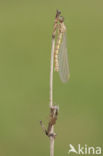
(58,13)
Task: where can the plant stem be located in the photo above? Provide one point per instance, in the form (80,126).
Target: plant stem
(51,72)
(51,95)
(51,78)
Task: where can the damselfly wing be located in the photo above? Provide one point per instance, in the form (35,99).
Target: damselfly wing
(63,60)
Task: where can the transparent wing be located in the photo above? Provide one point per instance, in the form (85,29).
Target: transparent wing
(63,61)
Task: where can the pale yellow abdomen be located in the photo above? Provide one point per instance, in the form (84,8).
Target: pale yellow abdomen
(58,43)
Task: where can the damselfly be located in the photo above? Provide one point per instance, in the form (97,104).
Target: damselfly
(60,53)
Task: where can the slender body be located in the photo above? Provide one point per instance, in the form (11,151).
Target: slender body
(61,54)
(62,29)
(56,64)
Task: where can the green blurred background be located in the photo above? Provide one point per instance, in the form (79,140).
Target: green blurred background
(25,47)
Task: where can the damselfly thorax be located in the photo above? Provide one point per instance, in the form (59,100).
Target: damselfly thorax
(56,23)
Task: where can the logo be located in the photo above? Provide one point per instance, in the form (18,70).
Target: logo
(84,149)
